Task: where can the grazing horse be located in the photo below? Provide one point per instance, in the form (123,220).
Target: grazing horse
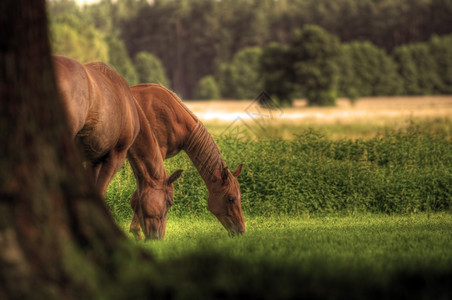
(154,195)
(177,128)
(102,115)
(109,125)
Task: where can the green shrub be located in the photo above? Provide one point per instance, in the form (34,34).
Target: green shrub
(241,79)
(120,60)
(398,171)
(72,37)
(315,55)
(207,89)
(277,74)
(441,51)
(368,71)
(417,69)
(150,69)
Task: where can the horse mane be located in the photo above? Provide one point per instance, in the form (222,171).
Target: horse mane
(200,146)
(204,152)
(176,97)
(156,172)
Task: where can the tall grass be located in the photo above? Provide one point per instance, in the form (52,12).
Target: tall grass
(396,171)
(326,219)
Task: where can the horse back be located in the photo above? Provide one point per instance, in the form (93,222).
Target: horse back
(171,120)
(113,112)
(74,90)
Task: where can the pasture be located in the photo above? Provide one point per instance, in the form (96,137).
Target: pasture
(345,202)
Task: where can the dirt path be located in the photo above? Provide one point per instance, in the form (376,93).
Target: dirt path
(379,109)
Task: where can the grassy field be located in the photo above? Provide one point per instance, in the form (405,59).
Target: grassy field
(362,256)
(342,209)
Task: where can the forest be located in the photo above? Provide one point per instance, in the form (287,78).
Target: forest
(213,49)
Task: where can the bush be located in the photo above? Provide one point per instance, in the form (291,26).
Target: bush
(241,79)
(207,89)
(441,51)
(150,69)
(399,171)
(315,55)
(276,72)
(417,69)
(369,70)
(120,60)
(73,38)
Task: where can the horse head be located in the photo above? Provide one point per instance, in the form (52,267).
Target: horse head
(225,200)
(151,205)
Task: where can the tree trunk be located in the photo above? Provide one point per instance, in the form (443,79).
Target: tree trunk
(56,234)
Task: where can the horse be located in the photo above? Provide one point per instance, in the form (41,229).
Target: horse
(101,114)
(177,128)
(154,194)
(106,122)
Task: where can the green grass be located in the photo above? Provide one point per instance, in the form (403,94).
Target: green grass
(378,242)
(397,171)
(364,255)
(326,219)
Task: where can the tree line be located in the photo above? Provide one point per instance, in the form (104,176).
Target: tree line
(316,66)
(202,44)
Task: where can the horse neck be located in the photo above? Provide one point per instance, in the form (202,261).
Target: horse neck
(145,157)
(204,153)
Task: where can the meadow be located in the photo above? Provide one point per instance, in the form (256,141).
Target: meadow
(337,209)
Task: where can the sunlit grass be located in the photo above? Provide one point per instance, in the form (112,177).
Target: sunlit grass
(361,256)
(327,216)
(376,242)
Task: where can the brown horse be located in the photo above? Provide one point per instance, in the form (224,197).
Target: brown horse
(109,125)
(102,115)
(154,195)
(177,128)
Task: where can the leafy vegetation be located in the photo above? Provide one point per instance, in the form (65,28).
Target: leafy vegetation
(366,218)
(241,78)
(361,256)
(197,38)
(397,171)
(150,69)
(315,62)
(208,89)
(371,71)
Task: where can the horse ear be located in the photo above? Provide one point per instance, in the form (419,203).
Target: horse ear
(175,176)
(224,174)
(238,170)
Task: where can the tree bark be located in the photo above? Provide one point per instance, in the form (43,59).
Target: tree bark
(55,231)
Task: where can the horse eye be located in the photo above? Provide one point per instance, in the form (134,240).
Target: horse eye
(231,200)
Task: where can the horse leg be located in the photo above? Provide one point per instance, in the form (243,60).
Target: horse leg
(135,227)
(93,170)
(110,165)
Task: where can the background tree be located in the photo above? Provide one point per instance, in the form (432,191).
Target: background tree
(120,60)
(277,74)
(244,80)
(407,69)
(315,55)
(425,65)
(441,51)
(207,89)
(150,69)
(197,38)
(346,85)
(417,68)
(374,72)
(56,235)
(73,37)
